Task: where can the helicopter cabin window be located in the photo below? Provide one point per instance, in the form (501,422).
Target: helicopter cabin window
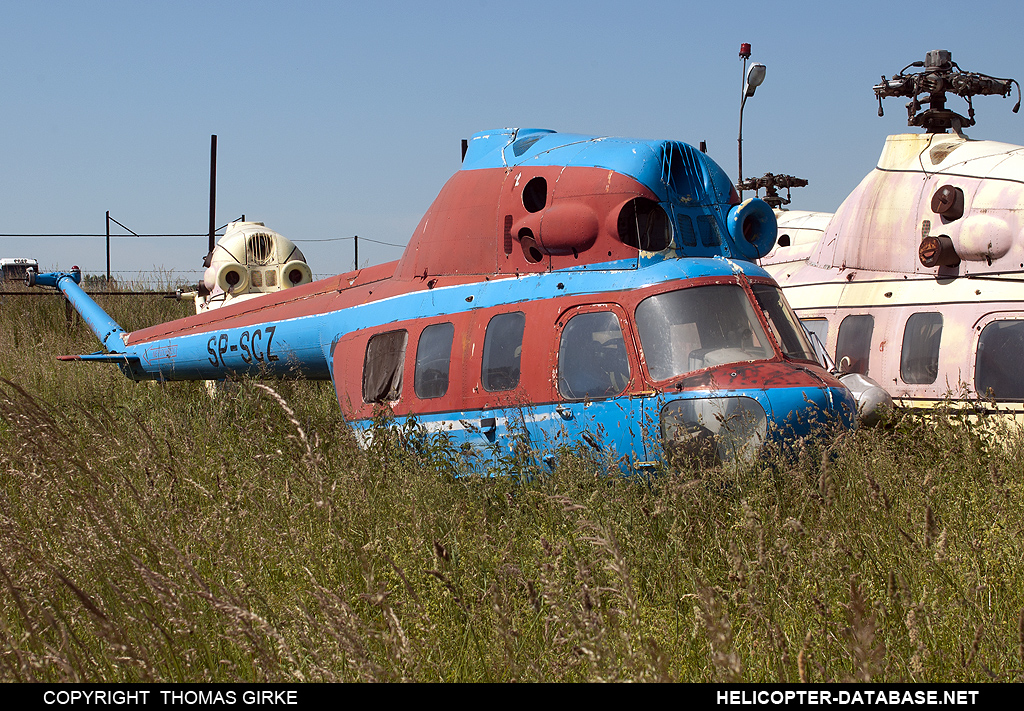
(699,327)
(644,224)
(919,359)
(503,348)
(816,328)
(382,369)
(817,331)
(592,360)
(433,360)
(997,372)
(783,322)
(854,342)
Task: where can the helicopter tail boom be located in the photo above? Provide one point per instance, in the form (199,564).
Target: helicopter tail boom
(111,335)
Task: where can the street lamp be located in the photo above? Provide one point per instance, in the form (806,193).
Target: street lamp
(752,79)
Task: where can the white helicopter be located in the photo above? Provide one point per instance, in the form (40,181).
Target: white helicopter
(917,280)
(248,261)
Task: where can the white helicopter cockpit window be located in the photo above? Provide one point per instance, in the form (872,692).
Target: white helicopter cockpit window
(592,360)
(382,370)
(433,360)
(783,322)
(997,372)
(703,326)
(817,331)
(503,349)
(854,342)
(919,357)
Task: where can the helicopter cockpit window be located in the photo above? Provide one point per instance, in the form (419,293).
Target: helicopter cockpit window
(433,360)
(998,372)
(854,342)
(686,330)
(592,360)
(919,358)
(503,349)
(783,322)
(382,370)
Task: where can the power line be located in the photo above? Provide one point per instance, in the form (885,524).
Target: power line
(105,235)
(340,239)
(99,235)
(168,272)
(160,236)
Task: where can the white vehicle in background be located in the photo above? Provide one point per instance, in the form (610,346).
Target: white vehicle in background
(16,268)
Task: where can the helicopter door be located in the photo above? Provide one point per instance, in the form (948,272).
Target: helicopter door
(596,373)
(493,388)
(369,372)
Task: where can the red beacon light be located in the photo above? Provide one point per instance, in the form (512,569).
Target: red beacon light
(745,50)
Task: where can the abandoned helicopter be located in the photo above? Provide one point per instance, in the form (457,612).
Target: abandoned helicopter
(573,288)
(916,280)
(248,261)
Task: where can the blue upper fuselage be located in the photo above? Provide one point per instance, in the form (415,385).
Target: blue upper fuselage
(675,171)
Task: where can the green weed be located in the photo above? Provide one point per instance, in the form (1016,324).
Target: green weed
(151,533)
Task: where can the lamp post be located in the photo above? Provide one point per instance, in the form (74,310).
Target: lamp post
(751,80)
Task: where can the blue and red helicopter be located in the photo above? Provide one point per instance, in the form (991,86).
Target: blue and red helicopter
(571,288)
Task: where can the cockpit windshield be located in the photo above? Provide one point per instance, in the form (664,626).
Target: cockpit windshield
(699,327)
(783,322)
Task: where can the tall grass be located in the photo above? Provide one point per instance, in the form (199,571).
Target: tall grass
(152,533)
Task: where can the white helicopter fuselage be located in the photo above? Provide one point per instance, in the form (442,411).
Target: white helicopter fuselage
(917,280)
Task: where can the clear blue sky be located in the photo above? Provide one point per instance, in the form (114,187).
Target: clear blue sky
(335,119)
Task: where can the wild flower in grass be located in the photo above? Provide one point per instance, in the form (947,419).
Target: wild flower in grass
(724,658)
(301,433)
(801,661)
(1020,637)
(940,547)
(975,646)
(916,641)
(929,526)
(866,648)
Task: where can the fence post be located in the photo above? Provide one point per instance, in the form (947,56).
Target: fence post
(108,249)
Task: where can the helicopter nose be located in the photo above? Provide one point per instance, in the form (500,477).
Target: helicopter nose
(719,429)
(800,410)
